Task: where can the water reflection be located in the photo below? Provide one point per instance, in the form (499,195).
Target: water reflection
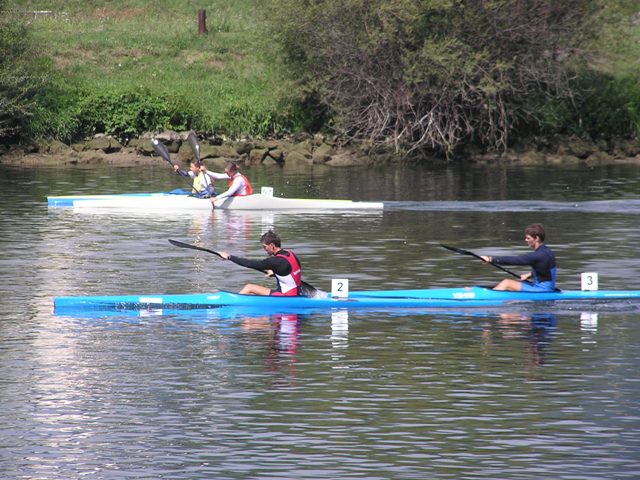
(535,330)
(588,329)
(339,328)
(282,330)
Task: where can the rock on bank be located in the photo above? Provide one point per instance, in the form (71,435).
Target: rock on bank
(304,151)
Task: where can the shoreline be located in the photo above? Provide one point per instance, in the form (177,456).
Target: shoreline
(123,158)
(132,158)
(308,151)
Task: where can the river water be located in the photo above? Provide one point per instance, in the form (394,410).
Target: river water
(532,392)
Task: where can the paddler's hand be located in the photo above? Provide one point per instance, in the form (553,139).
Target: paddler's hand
(224,255)
(269,273)
(486,258)
(176,168)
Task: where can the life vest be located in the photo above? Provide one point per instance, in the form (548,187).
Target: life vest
(247,186)
(201,183)
(288,284)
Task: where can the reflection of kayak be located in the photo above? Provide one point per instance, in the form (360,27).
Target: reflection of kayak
(427,298)
(179,200)
(235,313)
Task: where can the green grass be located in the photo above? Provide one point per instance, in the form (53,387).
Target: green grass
(125,46)
(227,81)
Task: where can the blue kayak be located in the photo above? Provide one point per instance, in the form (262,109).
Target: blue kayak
(470,297)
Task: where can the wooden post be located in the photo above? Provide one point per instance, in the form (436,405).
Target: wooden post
(202,21)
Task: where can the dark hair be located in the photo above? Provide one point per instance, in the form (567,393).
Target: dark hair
(269,238)
(535,230)
(232,166)
(197,164)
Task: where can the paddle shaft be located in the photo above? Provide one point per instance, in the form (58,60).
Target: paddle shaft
(308,288)
(467,252)
(176,243)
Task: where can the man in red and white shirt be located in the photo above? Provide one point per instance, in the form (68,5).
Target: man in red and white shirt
(239,186)
(282,264)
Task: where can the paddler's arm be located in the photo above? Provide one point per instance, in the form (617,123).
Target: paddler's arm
(526,259)
(214,175)
(267,265)
(510,261)
(180,172)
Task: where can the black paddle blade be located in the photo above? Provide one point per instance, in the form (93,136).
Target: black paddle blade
(161,150)
(308,290)
(195,146)
(176,243)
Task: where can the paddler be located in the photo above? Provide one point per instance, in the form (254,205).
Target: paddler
(202,185)
(542,277)
(280,263)
(239,186)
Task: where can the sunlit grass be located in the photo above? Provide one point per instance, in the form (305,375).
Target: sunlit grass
(127,45)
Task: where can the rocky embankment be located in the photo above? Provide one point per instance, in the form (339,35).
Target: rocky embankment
(303,150)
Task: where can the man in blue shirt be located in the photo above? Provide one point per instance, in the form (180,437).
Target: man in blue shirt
(542,277)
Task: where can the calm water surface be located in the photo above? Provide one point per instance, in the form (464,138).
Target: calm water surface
(515,393)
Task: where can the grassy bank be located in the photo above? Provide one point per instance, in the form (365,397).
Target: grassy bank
(129,66)
(225,77)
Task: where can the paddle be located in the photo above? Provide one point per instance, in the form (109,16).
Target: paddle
(306,290)
(467,252)
(161,150)
(195,146)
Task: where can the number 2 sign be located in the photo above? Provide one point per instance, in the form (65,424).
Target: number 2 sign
(339,287)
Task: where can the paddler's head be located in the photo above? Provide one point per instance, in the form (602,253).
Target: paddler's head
(195,167)
(534,235)
(231,169)
(271,243)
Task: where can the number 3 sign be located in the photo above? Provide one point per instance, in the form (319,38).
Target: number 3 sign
(590,281)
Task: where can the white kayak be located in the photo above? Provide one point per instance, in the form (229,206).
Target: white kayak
(170,201)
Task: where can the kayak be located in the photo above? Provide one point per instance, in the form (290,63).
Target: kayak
(470,297)
(182,201)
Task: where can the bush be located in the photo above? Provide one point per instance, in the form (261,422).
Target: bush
(436,74)
(71,113)
(600,106)
(128,114)
(54,114)
(20,75)
(606,106)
